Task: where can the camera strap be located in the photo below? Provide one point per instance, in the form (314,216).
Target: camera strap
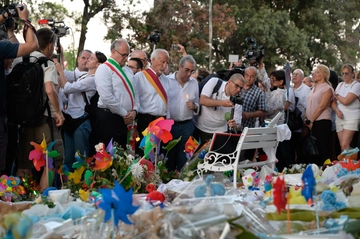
(27,25)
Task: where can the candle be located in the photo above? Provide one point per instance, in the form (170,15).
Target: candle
(187,97)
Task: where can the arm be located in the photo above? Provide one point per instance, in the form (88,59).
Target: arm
(207,101)
(54,99)
(264,76)
(31,42)
(336,109)
(348,99)
(255,114)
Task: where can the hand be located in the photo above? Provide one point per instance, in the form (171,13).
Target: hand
(129,117)
(11,27)
(190,105)
(59,67)
(232,123)
(227,103)
(24,14)
(59,119)
(339,113)
(182,49)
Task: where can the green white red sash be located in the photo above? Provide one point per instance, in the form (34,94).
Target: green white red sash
(155,82)
(116,68)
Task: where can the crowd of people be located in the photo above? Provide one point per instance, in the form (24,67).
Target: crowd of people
(130,91)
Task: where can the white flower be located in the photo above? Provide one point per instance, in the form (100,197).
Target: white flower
(114,173)
(190,173)
(99,147)
(130,157)
(137,170)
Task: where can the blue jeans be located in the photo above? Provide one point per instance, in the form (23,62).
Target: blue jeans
(78,140)
(176,156)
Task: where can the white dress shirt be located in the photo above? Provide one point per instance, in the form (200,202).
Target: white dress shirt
(150,100)
(73,91)
(72,76)
(178,96)
(112,91)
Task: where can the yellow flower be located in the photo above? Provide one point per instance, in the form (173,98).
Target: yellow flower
(84,195)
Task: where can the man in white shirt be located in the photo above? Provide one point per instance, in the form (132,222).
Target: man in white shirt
(301,92)
(81,69)
(183,104)
(215,106)
(118,99)
(153,87)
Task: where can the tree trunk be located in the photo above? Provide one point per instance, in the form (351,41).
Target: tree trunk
(85,20)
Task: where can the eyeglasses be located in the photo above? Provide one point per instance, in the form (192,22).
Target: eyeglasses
(345,73)
(187,70)
(133,67)
(296,74)
(236,85)
(123,55)
(272,79)
(144,60)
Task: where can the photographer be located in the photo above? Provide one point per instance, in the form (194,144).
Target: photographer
(216,106)
(10,50)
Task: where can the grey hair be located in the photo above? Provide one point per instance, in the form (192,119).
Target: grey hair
(155,54)
(187,58)
(251,67)
(118,42)
(301,72)
(237,76)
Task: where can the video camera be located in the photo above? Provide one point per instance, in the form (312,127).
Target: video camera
(154,37)
(58,27)
(253,53)
(11,9)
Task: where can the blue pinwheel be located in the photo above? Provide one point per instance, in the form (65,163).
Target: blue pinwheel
(117,202)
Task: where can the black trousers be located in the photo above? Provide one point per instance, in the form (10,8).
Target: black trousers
(322,132)
(111,126)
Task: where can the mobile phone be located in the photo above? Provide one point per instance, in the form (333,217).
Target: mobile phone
(175,47)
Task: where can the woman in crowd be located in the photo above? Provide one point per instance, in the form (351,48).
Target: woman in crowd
(78,128)
(347,107)
(318,112)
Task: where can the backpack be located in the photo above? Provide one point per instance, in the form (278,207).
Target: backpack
(216,88)
(25,92)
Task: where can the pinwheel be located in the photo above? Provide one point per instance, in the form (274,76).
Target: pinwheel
(279,194)
(309,182)
(157,131)
(117,202)
(104,157)
(76,175)
(349,165)
(190,147)
(38,155)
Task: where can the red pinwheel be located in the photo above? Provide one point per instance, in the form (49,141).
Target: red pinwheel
(103,158)
(190,147)
(38,154)
(279,194)
(349,165)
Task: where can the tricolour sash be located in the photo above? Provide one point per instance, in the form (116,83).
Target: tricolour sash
(116,68)
(155,82)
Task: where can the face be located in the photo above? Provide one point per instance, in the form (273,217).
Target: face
(307,82)
(297,77)
(159,64)
(142,56)
(347,74)
(82,59)
(8,63)
(92,62)
(185,71)
(275,82)
(235,86)
(133,66)
(317,76)
(121,54)
(250,76)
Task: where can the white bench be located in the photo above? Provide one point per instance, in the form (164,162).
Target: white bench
(251,138)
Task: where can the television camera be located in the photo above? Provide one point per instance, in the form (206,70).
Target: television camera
(254,53)
(58,27)
(12,13)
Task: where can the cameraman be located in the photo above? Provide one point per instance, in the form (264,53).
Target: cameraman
(10,50)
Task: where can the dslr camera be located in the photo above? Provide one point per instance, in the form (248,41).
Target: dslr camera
(236,99)
(254,53)
(154,37)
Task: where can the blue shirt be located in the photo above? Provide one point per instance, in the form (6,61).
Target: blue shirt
(8,50)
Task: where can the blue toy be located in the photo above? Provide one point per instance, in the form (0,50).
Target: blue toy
(216,189)
(309,182)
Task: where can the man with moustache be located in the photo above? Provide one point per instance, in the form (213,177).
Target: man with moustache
(152,87)
(118,100)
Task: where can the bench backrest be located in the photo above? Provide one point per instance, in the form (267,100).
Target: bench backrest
(259,138)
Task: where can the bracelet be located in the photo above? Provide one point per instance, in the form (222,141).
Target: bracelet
(135,111)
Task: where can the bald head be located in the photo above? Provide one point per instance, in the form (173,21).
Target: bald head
(142,56)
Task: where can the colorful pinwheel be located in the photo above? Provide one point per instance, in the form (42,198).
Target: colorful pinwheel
(279,194)
(309,182)
(157,131)
(104,157)
(349,165)
(38,154)
(119,201)
(190,147)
